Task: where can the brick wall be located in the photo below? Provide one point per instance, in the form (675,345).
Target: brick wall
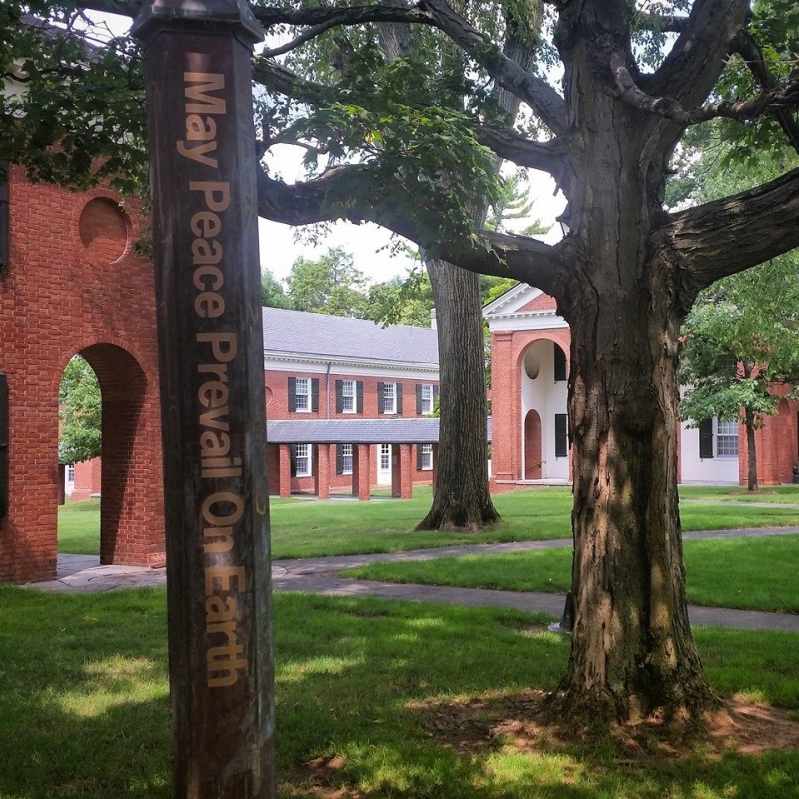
(74,285)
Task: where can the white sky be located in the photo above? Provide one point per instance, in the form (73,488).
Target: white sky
(370,245)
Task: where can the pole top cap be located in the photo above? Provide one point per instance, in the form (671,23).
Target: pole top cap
(194,14)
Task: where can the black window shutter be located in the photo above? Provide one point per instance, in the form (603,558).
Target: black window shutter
(706,439)
(292,393)
(293,450)
(339,459)
(314,393)
(418,398)
(339,396)
(561,435)
(436,391)
(381,402)
(4,217)
(560,364)
(359,396)
(419,458)
(399,397)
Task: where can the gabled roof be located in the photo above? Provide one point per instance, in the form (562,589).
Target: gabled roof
(293,333)
(521,308)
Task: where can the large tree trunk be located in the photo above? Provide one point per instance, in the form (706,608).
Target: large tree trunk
(632,653)
(461,497)
(751,477)
(632,649)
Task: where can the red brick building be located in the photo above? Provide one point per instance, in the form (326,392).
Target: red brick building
(348,403)
(529,370)
(71,283)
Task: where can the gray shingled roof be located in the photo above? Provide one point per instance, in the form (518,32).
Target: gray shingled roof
(299,333)
(355,431)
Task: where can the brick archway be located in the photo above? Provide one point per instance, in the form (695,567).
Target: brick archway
(74,284)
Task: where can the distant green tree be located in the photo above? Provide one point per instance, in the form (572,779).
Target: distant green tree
(330,285)
(742,338)
(273,295)
(402,300)
(80,414)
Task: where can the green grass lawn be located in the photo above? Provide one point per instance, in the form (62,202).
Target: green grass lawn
(778,494)
(749,573)
(84,703)
(302,527)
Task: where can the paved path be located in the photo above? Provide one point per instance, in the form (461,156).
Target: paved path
(84,574)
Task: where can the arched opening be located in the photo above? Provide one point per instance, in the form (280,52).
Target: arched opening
(122,385)
(532,446)
(79,449)
(543,381)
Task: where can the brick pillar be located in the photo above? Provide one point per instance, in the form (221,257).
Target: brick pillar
(322,474)
(401,478)
(284,480)
(434,475)
(361,469)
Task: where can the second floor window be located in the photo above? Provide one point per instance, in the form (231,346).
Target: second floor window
(303,395)
(348,397)
(424,398)
(389,398)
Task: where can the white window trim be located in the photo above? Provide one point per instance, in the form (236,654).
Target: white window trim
(392,410)
(346,456)
(353,397)
(427,398)
(308,458)
(306,381)
(427,457)
(726,437)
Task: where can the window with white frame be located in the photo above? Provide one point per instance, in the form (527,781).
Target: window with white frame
(346,458)
(385,457)
(426,396)
(71,473)
(727,439)
(426,457)
(348,399)
(389,398)
(302,460)
(303,395)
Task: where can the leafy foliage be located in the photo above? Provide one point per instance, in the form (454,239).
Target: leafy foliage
(273,295)
(99,133)
(81,413)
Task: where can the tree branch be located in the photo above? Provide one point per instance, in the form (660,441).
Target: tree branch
(749,50)
(546,156)
(690,70)
(776,100)
(730,235)
(368,198)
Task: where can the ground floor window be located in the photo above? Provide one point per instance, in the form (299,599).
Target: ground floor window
(727,439)
(346,458)
(385,457)
(425,457)
(302,460)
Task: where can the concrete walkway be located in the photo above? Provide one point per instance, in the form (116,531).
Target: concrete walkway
(84,574)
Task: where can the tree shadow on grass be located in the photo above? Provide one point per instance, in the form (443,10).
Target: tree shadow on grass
(84,705)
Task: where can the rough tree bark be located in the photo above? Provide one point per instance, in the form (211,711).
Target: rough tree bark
(461,497)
